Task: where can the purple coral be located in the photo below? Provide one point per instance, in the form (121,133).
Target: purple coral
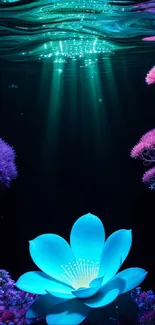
(8,170)
(146,303)
(144,299)
(13,303)
(149,178)
(147,318)
(147,6)
(145,150)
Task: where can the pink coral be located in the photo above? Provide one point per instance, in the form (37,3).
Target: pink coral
(148,135)
(137,150)
(149,39)
(149,175)
(150,78)
(144,149)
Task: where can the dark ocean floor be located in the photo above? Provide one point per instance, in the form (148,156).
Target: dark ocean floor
(135,307)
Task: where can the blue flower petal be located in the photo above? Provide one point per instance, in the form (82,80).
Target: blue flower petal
(42,306)
(96,282)
(39,283)
(132,277)
(72,312)
(52,254)
(94,286)
(106,294)
(85,292)
(64,295)
(87,238)
(115,251)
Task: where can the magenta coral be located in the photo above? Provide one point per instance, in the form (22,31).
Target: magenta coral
(150,78)
(145,149)
(149,178)
(149,135)
(13,303)
(149,39)
(8,170)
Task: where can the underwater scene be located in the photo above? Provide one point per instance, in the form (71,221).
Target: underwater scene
(77,162)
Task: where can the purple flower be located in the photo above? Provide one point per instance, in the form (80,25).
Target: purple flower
(8,170)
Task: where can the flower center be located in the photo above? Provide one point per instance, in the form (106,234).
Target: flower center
(80,273)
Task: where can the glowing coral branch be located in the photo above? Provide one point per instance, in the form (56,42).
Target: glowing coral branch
(145,150)
(150,78)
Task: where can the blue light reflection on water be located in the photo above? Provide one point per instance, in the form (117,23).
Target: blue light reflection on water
(74,29)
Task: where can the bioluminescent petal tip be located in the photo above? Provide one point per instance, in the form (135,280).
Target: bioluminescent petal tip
(115,251)
(87,240)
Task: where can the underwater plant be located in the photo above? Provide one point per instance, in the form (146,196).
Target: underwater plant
(13,302)
(150,78)
(149,178)
(8,170)
(145,301)
(78,277)
(145,150)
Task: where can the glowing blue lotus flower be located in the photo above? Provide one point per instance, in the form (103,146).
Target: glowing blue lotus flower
(81,276)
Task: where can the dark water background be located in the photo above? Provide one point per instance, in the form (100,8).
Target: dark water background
(75,164)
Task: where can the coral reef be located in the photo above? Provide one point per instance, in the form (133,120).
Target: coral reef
(13,302)
(145,150)
(8,170)
(146,304)
(150,78)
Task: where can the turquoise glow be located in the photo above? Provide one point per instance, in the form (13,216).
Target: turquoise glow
(55,30)
(72,275)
